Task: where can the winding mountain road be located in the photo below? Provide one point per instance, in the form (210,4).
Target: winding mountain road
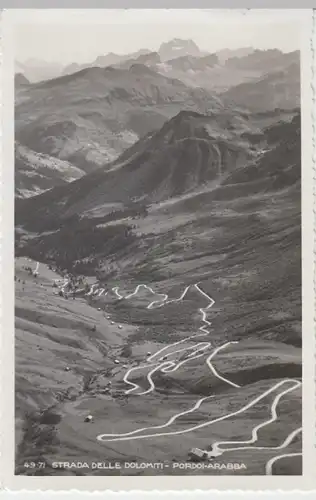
(209,422)
(158,363)
(254,434)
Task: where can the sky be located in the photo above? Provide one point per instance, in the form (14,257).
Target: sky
(75,38)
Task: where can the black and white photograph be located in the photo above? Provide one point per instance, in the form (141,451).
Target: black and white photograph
(158,248)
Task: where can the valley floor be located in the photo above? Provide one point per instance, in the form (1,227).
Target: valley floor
(154,398)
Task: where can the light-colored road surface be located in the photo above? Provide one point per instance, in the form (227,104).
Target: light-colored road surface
(209,422)
(167,367)
(171,366)
(217,447)
(269,464)
(157,361)
(162,426)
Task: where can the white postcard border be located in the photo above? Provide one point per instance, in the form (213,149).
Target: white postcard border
(156,483)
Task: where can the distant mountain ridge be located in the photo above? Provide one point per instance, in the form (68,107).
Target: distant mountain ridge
(193,62)
(103,61)
(265,61)
(36,70)
(217,73)
(20,80)
(177,48)
(277,89)
(173,49)
(225,54)
(88,118)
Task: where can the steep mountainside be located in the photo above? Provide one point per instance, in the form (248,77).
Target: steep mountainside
(20,80)
(89,117)
(194,233)
(37,172)
(278,89)
(196,180)
(187,152)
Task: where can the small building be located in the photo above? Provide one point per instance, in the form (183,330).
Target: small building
(88,418)
(196,454)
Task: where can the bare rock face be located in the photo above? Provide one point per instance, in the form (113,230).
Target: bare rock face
(90,117)
(37,172)
(182,231)
(177,48)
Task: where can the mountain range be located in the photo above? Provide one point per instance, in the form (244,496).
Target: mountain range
(104,61)
(278,89)
(36,70)
(169,187)
(184,205)
(184,60)
(88,118)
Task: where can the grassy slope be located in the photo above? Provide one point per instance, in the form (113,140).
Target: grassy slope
(241,240)
(91,116)
(47,325)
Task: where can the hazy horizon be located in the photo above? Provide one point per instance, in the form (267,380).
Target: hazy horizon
(82,43)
